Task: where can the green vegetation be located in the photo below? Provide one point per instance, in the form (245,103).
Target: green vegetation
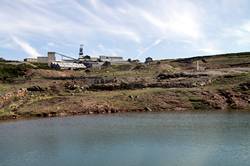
(2,60)
(223,85)
(40,65)
(133,70)
(8,71)
(4,112)
(199,104)
(230,81)
(215,62)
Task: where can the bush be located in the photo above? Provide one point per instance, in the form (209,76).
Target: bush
(10,71)
(2,60)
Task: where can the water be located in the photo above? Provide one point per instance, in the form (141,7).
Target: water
(197,139)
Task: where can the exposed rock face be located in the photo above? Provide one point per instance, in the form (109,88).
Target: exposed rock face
(233,99)
(35,89)
(214,100)
(245,86)
(172,85)
(163,76)
(70,86)
(139,85)
(121,86)
(8,97)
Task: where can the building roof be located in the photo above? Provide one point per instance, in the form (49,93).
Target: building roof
(69,65)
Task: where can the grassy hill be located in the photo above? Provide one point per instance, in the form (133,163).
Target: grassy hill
(223,85)
(241,59)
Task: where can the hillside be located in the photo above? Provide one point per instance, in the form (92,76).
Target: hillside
(32,90)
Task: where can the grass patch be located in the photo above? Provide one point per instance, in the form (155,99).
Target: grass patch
(132,70)
(199,104)
(41,65)
(9,72)
(229,81)
(4,88)
(3,112)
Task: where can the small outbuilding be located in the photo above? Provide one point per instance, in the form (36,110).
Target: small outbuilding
(148,60)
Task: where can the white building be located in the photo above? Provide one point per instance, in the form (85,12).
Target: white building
(30,60)
(111,58)
(67,65)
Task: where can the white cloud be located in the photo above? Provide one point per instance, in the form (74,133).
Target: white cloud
(64,20)
(131,26)
(104,19)
(103,50)
(210,51)
(182,20)
(246,26)
(6,43)
(26,47)
(152,45)
(239,33)
(51,44)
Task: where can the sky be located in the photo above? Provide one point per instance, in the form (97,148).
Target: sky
(161,29)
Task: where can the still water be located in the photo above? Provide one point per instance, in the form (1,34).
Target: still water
(197,139)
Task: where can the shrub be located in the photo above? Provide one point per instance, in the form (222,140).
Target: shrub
(10,71)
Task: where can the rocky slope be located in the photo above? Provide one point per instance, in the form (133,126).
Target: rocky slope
(161,86)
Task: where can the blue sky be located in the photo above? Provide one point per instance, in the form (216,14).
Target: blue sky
(133,29)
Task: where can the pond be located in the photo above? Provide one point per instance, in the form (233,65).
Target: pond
(135,139)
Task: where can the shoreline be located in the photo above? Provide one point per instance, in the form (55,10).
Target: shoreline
(131,112)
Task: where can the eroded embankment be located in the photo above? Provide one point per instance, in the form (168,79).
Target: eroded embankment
(102,95)
(106,102)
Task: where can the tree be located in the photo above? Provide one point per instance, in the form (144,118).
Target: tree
(2,60)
